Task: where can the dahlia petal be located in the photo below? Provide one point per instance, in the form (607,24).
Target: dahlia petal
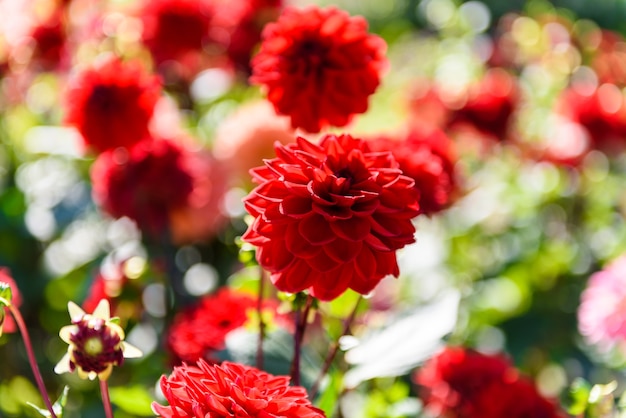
(332,213)
(274,256)
(352,229)
(295,207)
(63,366)
(322,262)
(130,351)
(387,263)
(365,263)
(343,251)
(376,243)
(295,279)
(75,311)
(299,246)
(315,230)
(332,284)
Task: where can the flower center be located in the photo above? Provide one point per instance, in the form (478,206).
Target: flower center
(93,346)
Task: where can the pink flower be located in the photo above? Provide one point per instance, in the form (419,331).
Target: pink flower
(602,311)
(247,137)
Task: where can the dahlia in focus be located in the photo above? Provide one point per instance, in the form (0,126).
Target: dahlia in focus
(462,383)
(330,217)
(232,390)
(602,311)
(144,183)
(428,158)
(319,66)
(111,104)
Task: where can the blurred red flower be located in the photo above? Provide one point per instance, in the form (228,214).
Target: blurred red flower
(462,383)
(111,104)
(9,324)
(201,329)
(600,110)
(143,183)
(330,217)
(517,399)
(237,27)
(49,43)
(319,66)
(488,105)
(232,390)
(428,158)
(176,30)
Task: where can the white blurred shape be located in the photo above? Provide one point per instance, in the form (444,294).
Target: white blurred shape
(153,299)
(405,343)
(57,140)
(144,337)
(210,84)
(40,222)
(200,279)
(476,14)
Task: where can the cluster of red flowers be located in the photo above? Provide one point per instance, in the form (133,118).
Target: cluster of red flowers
(189,35)
(485,108)
(330,217)
(7,324)
(232,390)
(462,383)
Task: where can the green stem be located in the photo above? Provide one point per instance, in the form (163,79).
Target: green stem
(302,315)
(31,358)
(335,348)
(106,400)
(259,308)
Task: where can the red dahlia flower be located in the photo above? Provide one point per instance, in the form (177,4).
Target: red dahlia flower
(232,390)
(111,104)
(319,66)
(462,383)
(427,158)
(330,217)
(143,183)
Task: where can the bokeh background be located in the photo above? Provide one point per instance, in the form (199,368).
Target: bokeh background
(539,206)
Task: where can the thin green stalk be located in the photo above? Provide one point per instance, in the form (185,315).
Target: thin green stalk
(302,315)
(335,348)
(259,308)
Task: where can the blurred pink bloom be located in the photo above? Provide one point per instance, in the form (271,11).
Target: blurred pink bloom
(602,311)
(247,137)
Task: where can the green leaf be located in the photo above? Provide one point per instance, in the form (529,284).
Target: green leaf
(134,400)
(6,294)
(57,407)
